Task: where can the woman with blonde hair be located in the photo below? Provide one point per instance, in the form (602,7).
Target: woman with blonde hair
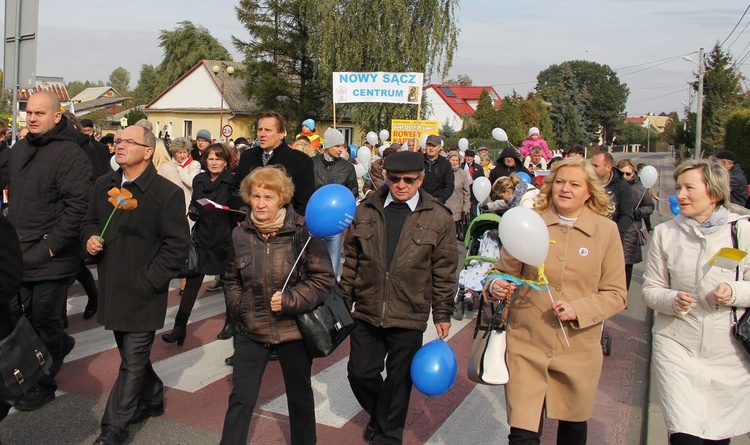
(586,272)
(262,255)
(512,192)
(701,371)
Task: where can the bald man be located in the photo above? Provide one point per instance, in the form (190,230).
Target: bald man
(50,183)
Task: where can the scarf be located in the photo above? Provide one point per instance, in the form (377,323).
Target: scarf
(187,162)
(716,221)
(269,228)
(518,193)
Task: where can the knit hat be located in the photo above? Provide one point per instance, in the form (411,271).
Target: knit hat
(203,134)
(309,123)
(87,123)
(333,137)
(726,154)
(533,130)
(453,153)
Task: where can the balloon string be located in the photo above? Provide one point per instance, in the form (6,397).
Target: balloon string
(294,266)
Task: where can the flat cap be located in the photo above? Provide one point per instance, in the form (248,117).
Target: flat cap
(433,140)
(404,161)
(726,154)
(469,153)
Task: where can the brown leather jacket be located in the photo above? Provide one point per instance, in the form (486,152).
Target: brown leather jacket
(258,267)
(422,275)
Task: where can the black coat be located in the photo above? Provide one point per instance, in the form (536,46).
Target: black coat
(438,178)
(737,186)
(625,200)
(478,170)
(501,170)
(98,154)
(143,249)
(50,185)
(4,165)
(213,228)
(340,171)
(11,273)
(298,166)
(634,238)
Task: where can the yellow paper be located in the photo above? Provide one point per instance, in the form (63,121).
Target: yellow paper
(727,258)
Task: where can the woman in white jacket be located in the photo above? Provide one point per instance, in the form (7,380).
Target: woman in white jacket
(703,376)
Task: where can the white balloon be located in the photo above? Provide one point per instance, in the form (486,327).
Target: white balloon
(463,144)
(372,138)
(405,146)
(364,155)
(481,188)
(359,169)
(500,135)
(524,235)
(381,149)
(384,135)
(113,164)
(423,140)
(649,176)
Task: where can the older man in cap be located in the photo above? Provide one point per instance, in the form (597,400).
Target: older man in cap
(400,261)
(737,179)
(438,172)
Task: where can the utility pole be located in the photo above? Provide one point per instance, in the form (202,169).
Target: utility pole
(699,116)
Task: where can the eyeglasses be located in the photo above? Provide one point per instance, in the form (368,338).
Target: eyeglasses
(407,179)
(130,142)
(628,174)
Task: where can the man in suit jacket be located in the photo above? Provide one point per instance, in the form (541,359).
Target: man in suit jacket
(140,252)
(273,150)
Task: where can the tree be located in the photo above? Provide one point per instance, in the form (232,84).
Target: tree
(149,85)
(389,35)
(461,79)
(183,47)
(632,133)
(75,87)
(135,114)
(599,92)
(484,120)
(120,80)
(723,95)
(569,103)
(280,69)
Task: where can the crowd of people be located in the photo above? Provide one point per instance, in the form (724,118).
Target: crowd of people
(396,267)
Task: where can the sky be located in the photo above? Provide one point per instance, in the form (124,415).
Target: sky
(502,43)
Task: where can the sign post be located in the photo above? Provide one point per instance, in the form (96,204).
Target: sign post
(21,23)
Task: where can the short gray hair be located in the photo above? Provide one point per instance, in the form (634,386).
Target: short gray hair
(179,144)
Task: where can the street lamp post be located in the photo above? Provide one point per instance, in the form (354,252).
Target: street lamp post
(699,116)
(229,70)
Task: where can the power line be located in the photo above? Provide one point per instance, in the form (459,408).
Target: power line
(655,61)
(735,26)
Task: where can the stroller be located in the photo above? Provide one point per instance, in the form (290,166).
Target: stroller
(482,251)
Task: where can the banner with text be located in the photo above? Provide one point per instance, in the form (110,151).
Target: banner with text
(398,88)
(403,130)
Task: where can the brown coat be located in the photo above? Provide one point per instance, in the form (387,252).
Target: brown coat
(585,266)
(258,267)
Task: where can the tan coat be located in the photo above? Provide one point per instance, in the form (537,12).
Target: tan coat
(585,266)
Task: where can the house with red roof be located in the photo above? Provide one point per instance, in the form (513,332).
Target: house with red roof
(451,103)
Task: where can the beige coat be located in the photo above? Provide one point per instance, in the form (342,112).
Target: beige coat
(585,266)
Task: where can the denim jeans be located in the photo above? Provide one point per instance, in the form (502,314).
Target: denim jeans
(333,244)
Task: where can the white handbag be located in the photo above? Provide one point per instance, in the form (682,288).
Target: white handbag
(487,361)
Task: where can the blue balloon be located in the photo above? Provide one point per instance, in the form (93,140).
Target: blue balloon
(673,200)
(434,368)
(524,177)
(330,210)
(675,208)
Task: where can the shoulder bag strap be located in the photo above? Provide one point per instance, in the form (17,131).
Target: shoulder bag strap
(735,243)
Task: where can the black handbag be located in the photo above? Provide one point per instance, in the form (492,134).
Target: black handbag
(741,327)
(325,327)
(24,360)
(189,267)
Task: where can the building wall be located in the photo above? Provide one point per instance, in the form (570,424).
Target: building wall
(176,120)
(441,112)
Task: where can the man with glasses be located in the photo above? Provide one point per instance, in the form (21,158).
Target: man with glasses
(50,184)
(400,261)
(139,253)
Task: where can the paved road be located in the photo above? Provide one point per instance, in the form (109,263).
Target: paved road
(198,384)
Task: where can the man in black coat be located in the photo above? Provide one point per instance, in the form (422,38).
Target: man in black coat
(50,183)
(509,161)
(139,253)
(737,179)
(621,194)
(438,171)
(473,171)
(273,150)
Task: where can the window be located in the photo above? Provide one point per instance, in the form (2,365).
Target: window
(348,133)
(187,128)
(448,92)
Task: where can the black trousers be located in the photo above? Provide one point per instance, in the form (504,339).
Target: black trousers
(568,433)
(136,384)
(387,401)
(250,360)
(687,439)
(44,303)
(187,300)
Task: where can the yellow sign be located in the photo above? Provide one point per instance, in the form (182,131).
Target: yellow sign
(403,129)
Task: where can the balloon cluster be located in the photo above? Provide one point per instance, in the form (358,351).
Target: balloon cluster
(434,368)
(674,206)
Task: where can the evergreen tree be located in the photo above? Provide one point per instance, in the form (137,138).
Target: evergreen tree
(568,120)
(149,85)
(119,79)
(183,47)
